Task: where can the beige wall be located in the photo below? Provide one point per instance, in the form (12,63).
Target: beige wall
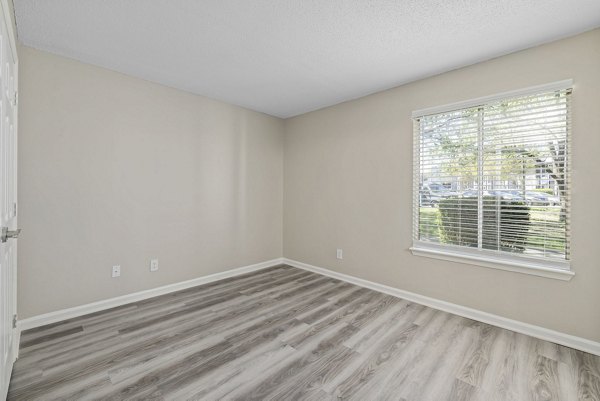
(348,180)
(117,170)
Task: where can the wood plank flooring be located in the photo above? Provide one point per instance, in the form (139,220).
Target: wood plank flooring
(288,334)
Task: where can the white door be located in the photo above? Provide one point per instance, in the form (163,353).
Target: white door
(8,204)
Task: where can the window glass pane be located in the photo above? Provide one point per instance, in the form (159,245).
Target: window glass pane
(448,169)
(524,175)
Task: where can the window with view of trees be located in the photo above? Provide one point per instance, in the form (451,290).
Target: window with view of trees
(493,178)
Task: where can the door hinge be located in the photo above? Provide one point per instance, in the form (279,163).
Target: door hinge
(15,321)
(16,98)
(14,209)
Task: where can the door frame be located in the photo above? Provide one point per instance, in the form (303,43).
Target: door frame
(7,11)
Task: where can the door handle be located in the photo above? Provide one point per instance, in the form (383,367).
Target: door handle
(6,233)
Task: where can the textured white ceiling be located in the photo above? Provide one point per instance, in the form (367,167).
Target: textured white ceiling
(287,57)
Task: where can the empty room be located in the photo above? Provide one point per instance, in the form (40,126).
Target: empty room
(300,200)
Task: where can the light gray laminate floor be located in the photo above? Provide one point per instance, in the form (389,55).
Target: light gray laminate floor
(288,334)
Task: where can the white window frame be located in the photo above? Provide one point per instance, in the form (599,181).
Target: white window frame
(556,269)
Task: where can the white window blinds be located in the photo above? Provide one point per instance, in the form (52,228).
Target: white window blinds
(494,177)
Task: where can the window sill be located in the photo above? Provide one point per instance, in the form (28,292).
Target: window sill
(519,266)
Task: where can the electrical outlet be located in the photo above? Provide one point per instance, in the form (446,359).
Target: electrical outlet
(154,265)
(340,254)
(116,271)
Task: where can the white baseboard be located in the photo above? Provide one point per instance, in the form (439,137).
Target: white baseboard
(525,328)
(57,316)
